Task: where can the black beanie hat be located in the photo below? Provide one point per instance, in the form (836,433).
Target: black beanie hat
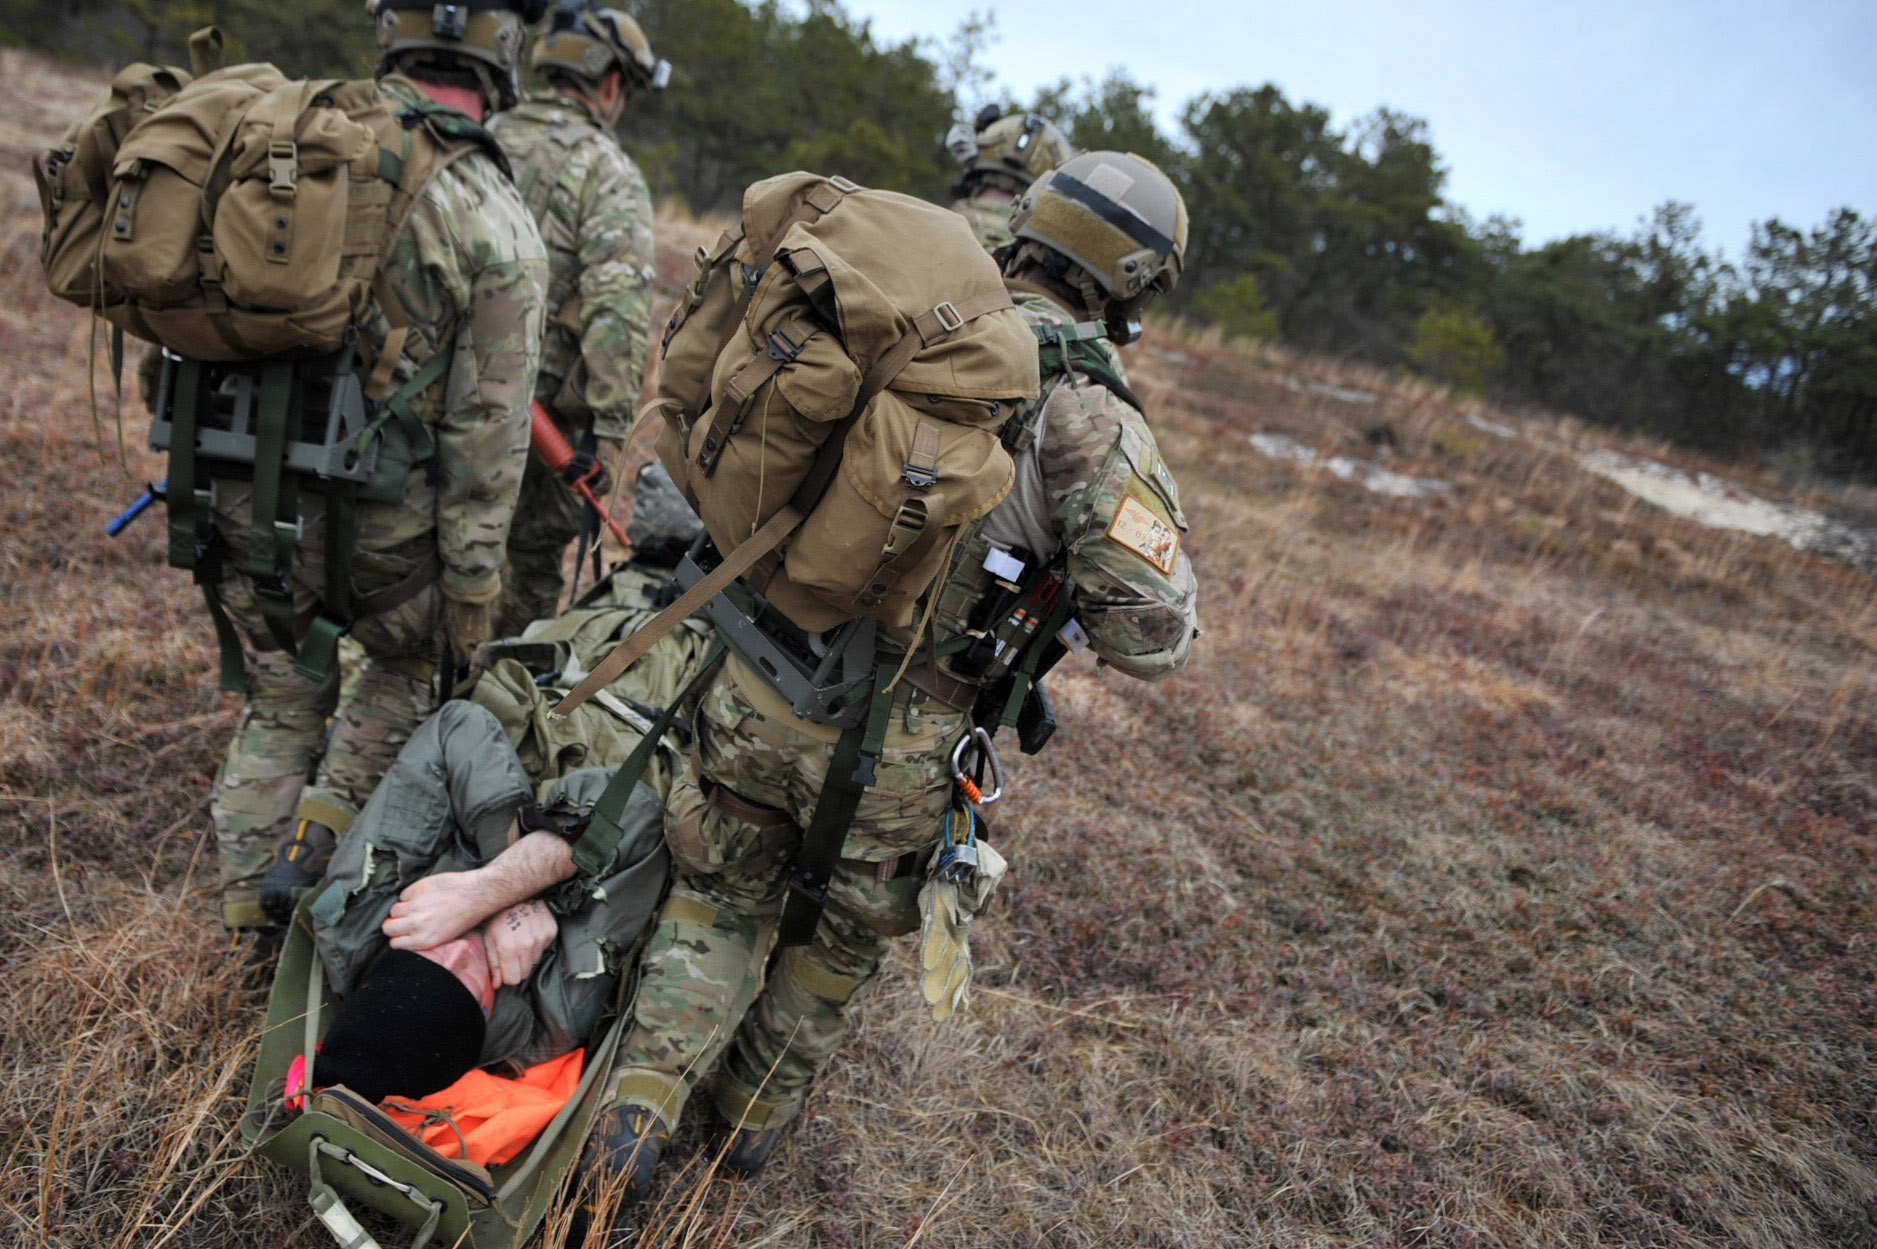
(409,1028)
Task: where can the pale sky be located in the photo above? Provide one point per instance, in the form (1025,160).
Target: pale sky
(1572,117)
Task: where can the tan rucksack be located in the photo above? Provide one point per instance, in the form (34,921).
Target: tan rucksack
(848,356)
(74,177)
(246,214)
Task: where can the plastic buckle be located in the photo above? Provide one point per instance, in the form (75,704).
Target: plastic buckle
(272,586)
(843,185)
(954,323)
(782,348)
(296,531)
(863,771)
(283,159)
(918,478)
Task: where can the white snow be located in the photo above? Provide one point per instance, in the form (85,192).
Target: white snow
(1363,473)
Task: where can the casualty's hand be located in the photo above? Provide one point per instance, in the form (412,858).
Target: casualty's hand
(516,938)
(439,908)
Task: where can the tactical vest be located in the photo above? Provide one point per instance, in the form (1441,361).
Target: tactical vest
(243,230)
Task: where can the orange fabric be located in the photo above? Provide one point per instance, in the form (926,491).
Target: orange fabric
(499,1118)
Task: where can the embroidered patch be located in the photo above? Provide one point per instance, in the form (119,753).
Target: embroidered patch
(1140,531)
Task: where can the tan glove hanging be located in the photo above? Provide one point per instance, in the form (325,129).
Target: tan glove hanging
(467,623)
(946,912)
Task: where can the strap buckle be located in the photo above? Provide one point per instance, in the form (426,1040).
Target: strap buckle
(283,159)
(272,586)
(919,477)
(783,349)
(950,324)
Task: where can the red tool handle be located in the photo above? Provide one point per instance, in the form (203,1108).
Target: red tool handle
(558,456)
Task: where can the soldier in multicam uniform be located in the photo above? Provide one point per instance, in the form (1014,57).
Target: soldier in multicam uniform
(595,216)
(1094,241)
(1001,156)
(470,273)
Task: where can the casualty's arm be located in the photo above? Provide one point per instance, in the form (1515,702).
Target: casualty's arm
(443,907)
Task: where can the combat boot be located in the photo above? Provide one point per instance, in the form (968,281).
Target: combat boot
(299,863)
(742,1151)
(615,1172)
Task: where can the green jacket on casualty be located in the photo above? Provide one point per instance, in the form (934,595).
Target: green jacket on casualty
(468,259)
(595,215)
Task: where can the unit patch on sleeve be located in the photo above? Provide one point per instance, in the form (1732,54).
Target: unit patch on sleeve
(1140,531)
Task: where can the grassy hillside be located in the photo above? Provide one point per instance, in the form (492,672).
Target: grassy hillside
(1498,875)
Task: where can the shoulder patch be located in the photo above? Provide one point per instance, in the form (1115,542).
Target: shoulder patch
(1144,457)
(1140,530)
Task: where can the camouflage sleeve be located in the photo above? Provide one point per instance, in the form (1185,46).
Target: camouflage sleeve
(618,267)
(1118,511)
(482,430)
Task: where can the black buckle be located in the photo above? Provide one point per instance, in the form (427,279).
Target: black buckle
(783,349)
(863,771)
(806,883)
(271,586)
(918,478)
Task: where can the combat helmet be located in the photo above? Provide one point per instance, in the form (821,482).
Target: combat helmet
(1108,224)
(483,37)
(587,40)
(1009,152)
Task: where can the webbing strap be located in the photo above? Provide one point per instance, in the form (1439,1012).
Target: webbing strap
(784,344)
(179,492)
(850,775)
(1025,675)
(275,500)
(739,561)
(595,848)
(234,676)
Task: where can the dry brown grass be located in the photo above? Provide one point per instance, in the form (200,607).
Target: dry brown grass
(1499,875)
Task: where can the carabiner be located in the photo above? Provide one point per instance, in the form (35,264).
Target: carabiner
(982,740)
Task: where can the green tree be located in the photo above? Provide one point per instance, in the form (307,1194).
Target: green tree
(1237,307)
(1456,346)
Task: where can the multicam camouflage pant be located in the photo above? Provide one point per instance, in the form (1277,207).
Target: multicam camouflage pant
(264,780)
(733,830)
(547,518)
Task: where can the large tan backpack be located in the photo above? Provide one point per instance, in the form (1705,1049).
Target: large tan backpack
(841,367)
(245,214)
(74,176)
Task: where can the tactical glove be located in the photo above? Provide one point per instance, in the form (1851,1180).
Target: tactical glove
(468,622)
(946,911)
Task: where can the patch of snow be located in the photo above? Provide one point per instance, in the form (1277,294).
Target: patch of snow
(1722,504)
(1171,357)
(1492,427)
(1324,388)
(1363,473)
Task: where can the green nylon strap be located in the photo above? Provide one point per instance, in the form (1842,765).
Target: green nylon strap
(391,165)
(319,649)
(179,493)
(234,678)
(275,501)
(398,407)
(595,848)
(1033,655)
(850,775)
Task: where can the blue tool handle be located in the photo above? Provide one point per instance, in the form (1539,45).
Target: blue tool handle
(131,513)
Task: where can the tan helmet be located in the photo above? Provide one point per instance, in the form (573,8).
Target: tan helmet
(1109,224)
(481,36)
(1011,152)
(589,41)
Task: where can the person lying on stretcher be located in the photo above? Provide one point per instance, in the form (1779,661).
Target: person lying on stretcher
(454,926)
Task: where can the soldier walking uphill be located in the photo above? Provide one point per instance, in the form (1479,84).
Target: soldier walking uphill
(595,216)
(1088,540)
(1000,157)
(461,289)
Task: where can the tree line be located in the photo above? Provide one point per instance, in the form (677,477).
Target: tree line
(1335,239)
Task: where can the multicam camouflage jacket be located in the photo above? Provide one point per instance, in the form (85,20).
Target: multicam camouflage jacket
(468,261)
(989,218)
(595,215)
(1091,486)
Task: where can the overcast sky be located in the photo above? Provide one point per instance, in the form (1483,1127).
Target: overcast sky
(1571,116)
